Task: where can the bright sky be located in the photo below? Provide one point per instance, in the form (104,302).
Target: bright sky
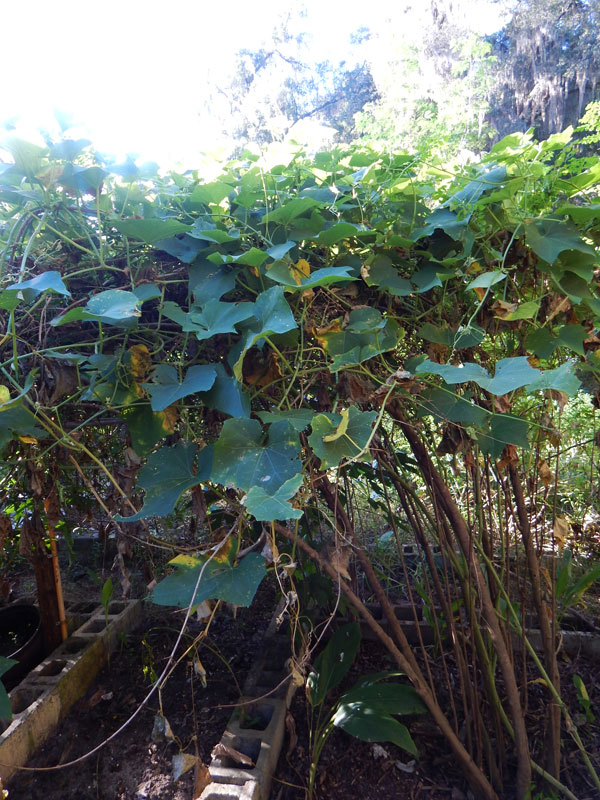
(133,73)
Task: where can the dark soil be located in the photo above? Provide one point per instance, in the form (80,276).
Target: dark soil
(134,766)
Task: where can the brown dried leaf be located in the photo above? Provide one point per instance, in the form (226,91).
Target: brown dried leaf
(561,531)
(169,418)
(545,473)
(501,309)
(182,763)
(6,531)
(502,404)
(201,780)
(510,457)
(559,397)
(221,750)
(290,725)
(480,292)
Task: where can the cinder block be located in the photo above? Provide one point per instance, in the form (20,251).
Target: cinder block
(223,791)
(36,711)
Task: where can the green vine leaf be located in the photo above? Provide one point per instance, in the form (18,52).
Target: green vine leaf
(342,438)
(281,273)
(266,507)
(167,389)
(46,282)
(212,318)
(167,474)
(548,238)
(221,580)
(243,458)
(150,230)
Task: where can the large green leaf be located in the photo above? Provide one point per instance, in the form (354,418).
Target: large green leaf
(47,281)
(344,438)
(457,339)
(548,238)
(363,722)
(511,374)
(333,663)
(145,427)
(290,210)
(150,230)
(337,233)
(221,580)
(281,273)
(227,395)
(210,193)
(212,318)
(243,458)
(299,418)
(271,314)
(500,430)
(113,307)
(563,379)
(267,507)
(366,335)
(166,387)
(387,698)
(17,421)
(167,474)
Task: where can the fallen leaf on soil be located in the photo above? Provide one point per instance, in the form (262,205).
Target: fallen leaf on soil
(379,751)
(202,779)
(182,762)
(96,697)
(290,725)
(408,767)
(224,751)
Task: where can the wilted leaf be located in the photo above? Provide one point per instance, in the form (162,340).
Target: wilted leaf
(561,531)
(182,762)
(225,751)
(161,730)
(545,473)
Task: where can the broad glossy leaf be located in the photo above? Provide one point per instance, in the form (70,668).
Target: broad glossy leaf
(278,251)
(383,274)
(243,458)
(299,418)
(548,238)
(347,347)
(185,248)
(511,374)
(563,379)
(150,230)
(166,388)
(227,395)
(444,404)
(18,421)
(167,474)
(333,663)
(147,291)
(359,720)
(210,193)
(500,430)
(337,233)
(290,210)
(348,445)
(266,507)
(208,282)
(47,281)
(461,338)
(145,427)
(114,305)
(387,698)
(487,280)
(281,273)
(272,314)
(444,219)
(221,580)
(541,343)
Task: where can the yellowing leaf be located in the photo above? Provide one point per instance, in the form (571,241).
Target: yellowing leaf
(301,271)
(480,292)
(561,531)
(4,394)
(140,362)
(169,418)
(341,428)
(28,439)
(333,327)
(474,268)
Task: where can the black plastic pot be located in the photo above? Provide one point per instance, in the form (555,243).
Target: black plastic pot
(21,638)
